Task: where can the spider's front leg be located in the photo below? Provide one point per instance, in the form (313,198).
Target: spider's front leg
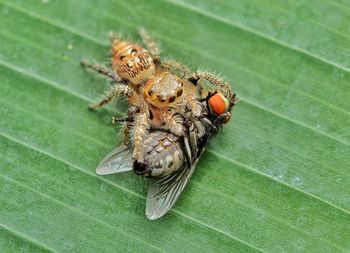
(223,85)
(115,91)
(210,77)
(119,88)
(140,132)
(170,65)
(103,70)
(150,44)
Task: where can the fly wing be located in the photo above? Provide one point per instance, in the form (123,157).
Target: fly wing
(119,160)
(163,193)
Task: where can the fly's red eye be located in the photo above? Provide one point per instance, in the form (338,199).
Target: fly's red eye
(218,104)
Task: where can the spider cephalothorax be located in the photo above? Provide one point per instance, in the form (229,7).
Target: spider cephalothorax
(163,90)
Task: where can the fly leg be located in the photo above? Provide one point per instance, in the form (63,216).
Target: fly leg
(150,44)
(221,118)
(126,132)
(126,128)
(116,120)
(192,137)
(190,143)
(102,70)
(127,123)
(116,91)
(212,128)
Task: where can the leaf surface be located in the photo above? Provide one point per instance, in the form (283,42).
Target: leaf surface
(275,180)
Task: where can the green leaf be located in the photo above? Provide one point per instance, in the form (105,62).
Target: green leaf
(275,180)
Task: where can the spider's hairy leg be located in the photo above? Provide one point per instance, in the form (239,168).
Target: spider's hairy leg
(116,90)
(114,37)
(103,70)
(210,77)
(150,44)
(140,132)
(173,65)
(223,85)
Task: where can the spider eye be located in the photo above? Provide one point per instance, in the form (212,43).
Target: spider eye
(133,51)
(218,104)
(122,57)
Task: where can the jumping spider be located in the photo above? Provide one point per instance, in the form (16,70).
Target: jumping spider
(170,118)
(155,94)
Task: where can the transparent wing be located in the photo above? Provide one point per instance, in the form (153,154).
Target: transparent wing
(119,160)
(163,193)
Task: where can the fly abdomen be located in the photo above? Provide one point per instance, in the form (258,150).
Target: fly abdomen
(163,155)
